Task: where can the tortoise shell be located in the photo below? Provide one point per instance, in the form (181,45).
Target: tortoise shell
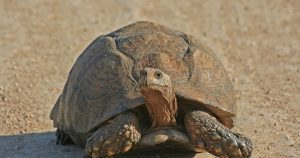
(103,80)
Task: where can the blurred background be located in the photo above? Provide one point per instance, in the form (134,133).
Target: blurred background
(257,41)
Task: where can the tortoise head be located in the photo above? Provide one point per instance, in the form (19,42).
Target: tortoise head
(156,87)
(154,79)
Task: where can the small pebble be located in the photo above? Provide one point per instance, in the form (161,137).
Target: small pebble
(290,141)
(268,92)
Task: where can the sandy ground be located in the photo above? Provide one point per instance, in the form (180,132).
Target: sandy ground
(257,41)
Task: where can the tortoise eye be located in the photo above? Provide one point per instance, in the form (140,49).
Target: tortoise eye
(158,74)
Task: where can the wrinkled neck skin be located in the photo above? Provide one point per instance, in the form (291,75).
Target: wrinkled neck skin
(162,106)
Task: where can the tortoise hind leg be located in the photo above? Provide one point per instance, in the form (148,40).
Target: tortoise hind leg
(209,134)
(117,136)
(63,138)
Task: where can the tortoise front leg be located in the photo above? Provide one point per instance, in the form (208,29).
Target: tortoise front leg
(117,136)
(209,134)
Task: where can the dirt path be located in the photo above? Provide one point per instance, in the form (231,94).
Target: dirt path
(257,41)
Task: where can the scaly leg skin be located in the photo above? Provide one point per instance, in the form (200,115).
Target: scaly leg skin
(209,134)
(118,136)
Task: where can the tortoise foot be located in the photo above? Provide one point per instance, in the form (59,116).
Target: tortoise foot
(118,136)
(209,134)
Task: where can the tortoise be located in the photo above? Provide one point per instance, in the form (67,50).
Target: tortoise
(148,87)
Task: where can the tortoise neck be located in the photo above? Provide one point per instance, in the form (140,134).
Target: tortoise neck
(162,107)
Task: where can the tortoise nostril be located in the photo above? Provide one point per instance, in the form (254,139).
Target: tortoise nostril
(143,73)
